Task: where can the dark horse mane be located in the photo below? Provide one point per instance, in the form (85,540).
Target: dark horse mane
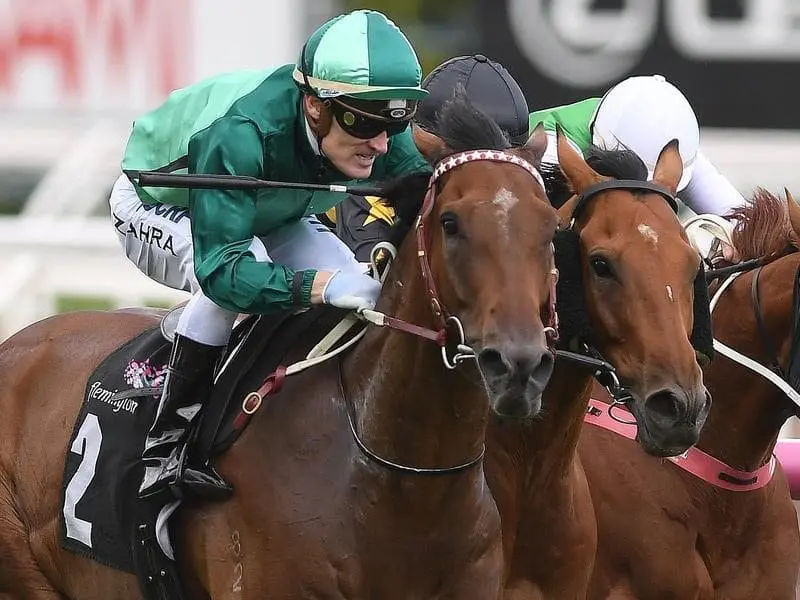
(619,163)
(462,127)
(763,227)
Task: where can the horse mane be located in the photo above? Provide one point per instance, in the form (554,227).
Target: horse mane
(763,227)
(462,127)
(619,163)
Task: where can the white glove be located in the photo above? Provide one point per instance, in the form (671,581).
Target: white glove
(347,289)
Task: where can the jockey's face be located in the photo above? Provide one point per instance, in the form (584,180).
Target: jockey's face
(353,156)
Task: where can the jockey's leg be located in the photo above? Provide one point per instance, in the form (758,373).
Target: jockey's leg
(309,244)
(156,238)
(202,333)
(200,339)
(201,336)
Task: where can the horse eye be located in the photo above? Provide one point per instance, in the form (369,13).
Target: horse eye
(601,267)
(449,223)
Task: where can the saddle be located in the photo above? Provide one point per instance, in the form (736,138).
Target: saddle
(102,517)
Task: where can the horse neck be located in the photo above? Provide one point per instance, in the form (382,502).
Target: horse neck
(411,409)
(748,411)
(548,443)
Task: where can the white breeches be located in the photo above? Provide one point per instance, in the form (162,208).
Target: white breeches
(158,240)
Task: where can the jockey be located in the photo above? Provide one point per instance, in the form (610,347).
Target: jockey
(341,113)
(362,222)
(643,113)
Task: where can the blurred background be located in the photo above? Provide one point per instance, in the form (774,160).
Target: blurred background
(74,74)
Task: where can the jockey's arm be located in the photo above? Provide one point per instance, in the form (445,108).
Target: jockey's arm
(223,225)
(709,191)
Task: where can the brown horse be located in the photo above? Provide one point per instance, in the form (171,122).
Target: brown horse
(315,515)
(665,533)
(629,249)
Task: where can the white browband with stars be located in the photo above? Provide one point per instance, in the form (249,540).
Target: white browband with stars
(460,158)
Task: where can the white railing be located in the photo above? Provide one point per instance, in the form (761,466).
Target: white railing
(45,259)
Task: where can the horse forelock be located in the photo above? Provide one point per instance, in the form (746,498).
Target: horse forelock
(462,126)
(619,163)
(763,227)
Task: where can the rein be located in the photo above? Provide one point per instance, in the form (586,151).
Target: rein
(393,466)
(775,378)
(741,267)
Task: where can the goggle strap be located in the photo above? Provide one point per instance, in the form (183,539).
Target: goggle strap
(373,116)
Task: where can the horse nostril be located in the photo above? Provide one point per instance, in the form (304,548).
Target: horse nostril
(709,401)
(543,369)
(517,365)
(665,404)
(492,363)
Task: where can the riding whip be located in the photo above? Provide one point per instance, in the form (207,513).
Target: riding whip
(238,182)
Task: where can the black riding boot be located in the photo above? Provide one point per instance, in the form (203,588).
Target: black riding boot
(190,377)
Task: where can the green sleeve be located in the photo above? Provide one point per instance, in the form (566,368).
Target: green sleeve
(575,119)
(223,225)
(403,157)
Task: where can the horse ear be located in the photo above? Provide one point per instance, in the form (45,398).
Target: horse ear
(565,212)
(669,167)
(429,145)
(578,173)
(794,211)
(536,145)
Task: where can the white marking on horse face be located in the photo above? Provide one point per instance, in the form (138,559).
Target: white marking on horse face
(669,294)
(649,233)
(504,201)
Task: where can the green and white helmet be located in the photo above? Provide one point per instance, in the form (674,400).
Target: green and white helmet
(361,55)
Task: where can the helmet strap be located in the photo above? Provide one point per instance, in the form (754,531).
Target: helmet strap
(306,83)
(320,127)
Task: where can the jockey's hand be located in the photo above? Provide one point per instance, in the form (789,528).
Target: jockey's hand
(353,290)
(729,253)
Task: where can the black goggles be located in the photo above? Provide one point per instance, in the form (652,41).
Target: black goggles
(366,119)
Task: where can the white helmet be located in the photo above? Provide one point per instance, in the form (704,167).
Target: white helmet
(644,113)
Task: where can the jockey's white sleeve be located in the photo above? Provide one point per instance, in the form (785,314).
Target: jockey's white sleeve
(709,191)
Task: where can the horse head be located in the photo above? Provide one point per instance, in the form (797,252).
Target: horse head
(638,271)
(484,235)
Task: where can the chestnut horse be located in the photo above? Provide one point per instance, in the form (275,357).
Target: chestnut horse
(622,238)
(314,514)
(665,533)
